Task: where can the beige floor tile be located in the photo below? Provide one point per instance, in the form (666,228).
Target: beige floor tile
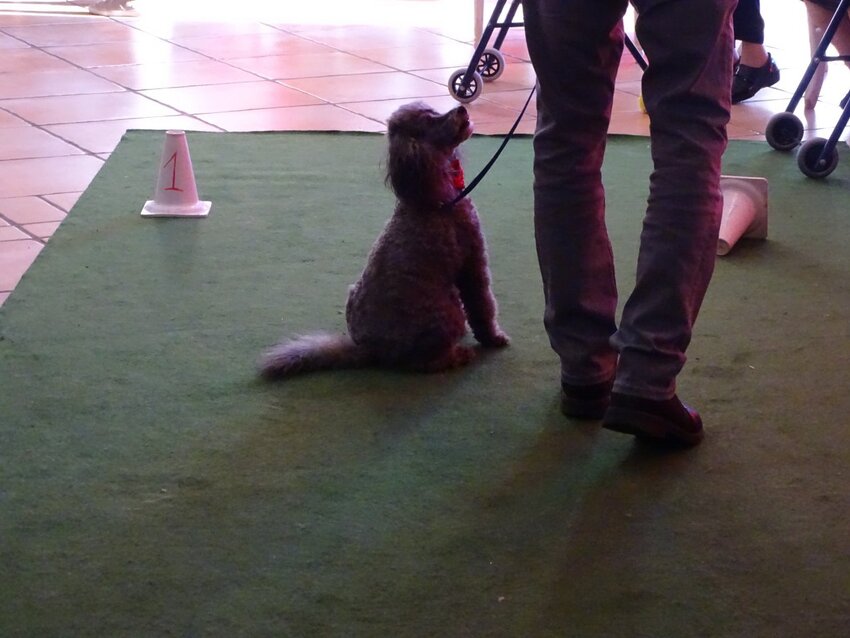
(30,210)
(362,37)
(323,117)
(821,123)
(629,70)
(182,30)
(103,137)
(770,94)
(625,102)
(48,83)
(447,54)
(514,47)
(139,51)
(756,114)
(513,100)
(61,14)
(86,108)
(833,93)
(333,63)
(742,132)
(48,35)
(15,258)
(252,45)
(480,111)
(516,76)
(501,127)
(30,142)
(788,81)
(31,61)
(231,97)
(629,123)
(484,110)
(10,233)
(174,74)
(824,133)
(8,120)
(632,87)
(64,201)
(835,86)
(430,14)
(375,86)
(748,138)
(7,42)
(19,178)
(43,230)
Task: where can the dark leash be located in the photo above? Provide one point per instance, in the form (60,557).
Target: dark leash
(468,189)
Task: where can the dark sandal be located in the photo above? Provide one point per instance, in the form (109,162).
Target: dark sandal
(749,80)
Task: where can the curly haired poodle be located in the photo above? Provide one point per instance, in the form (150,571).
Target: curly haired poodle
(427,273)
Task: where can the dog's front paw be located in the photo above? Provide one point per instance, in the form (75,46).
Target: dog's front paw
(496,340)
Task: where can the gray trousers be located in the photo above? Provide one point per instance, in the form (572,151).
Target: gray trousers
(575,47)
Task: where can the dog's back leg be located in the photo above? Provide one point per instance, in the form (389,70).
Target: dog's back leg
(453,357)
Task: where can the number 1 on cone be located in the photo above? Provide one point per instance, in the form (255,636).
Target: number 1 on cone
(173,161)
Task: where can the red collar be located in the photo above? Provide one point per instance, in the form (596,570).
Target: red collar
(457,174)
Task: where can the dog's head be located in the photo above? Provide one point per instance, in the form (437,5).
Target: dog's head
(422,146)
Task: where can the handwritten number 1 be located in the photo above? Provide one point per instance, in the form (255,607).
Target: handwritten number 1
(173,161)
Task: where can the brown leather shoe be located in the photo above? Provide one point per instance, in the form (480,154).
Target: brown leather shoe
(668,421)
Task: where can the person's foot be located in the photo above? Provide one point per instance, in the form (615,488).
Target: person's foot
(585,401)
(113,8)
(667,421)
(749,80)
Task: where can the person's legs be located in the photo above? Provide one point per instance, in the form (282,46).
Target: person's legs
(819,15)
(686,91)
(747,22)
(756,69)
(575,46)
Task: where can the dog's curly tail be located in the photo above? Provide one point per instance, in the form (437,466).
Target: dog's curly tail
(310,353)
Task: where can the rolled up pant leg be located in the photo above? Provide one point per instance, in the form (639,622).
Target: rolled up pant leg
(747,22)
(686,89)
(575,46)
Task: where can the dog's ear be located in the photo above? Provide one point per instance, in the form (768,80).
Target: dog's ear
(413,172)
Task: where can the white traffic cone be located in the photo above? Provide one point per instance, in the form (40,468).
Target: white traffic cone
(744,210)
(176,194)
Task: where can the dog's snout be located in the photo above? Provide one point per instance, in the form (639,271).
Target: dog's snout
(461,110)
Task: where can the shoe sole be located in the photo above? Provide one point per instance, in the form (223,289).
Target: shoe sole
(743,97)
(644,425)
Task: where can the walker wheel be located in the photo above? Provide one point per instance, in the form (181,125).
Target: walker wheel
(468,93)
(808,155)
(491,64)
(784,131)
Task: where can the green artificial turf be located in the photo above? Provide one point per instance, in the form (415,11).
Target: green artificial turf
(151,485)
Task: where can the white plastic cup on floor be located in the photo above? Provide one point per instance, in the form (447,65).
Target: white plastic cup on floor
(744,211)
(176,193)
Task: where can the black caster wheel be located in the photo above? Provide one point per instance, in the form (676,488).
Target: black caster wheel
(465,94)
(807,159)
(491,64)
(784,131)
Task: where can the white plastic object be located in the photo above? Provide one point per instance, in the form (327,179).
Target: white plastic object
(176,193)
(744,210)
